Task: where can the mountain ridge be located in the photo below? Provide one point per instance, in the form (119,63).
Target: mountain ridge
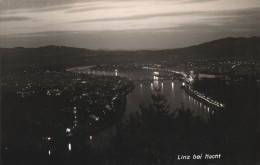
(225,48)
(221,39)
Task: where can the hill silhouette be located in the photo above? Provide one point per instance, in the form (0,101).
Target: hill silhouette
(227,48)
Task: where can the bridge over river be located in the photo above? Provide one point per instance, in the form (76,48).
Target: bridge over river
(146,80)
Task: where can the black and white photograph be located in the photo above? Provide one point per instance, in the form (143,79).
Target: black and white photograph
(130,82)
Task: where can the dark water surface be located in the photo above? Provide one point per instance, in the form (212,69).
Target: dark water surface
(145,82)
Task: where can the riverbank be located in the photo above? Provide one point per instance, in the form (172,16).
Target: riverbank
(204,99)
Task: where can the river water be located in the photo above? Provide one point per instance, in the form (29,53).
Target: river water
(145,82)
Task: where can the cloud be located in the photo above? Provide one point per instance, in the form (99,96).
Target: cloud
(244,20)
(88,9)
(219,21)
(66,7)
(41,4)
(43,33)
(224,15)
(68,19)
(31,4)
(138,17)
(12,5)
(8,19)
(237,19)
(238,12)
(197,1)
(42,9)
(53,8)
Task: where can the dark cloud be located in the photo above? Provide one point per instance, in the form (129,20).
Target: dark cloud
(42,9)
(239,12)
(8,19)
(245,20)
(43,33)
(46,7)
(30,4)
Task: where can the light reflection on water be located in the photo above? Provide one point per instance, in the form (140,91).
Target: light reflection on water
(174,95)
(141,89)
(162,87)
(171,90)
(69,147)
(156,84)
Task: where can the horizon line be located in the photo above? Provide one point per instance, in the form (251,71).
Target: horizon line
(149,49)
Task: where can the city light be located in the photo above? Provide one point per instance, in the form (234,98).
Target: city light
(69,147)
(68,130)
(156,73)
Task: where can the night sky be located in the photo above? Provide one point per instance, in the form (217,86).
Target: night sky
(125,24)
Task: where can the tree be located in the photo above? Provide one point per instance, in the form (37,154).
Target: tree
(156,135)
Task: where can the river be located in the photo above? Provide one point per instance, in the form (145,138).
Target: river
(145,82)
